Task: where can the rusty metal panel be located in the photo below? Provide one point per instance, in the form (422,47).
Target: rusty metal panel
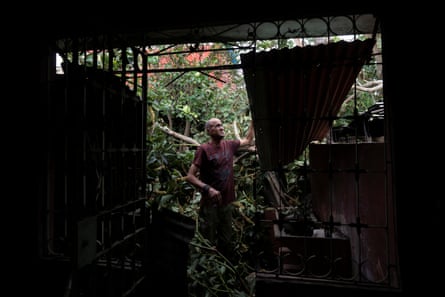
(351,193)
(295,94)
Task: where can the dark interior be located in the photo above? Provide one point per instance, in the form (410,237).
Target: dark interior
(409,85)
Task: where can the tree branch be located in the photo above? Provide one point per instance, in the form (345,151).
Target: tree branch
(245,150)
(176,135)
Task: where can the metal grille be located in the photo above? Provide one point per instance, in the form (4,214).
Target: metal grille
(96,216)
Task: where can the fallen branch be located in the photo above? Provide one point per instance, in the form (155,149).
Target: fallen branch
(177,135)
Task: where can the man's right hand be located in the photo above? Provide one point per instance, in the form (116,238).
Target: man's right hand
(214,196)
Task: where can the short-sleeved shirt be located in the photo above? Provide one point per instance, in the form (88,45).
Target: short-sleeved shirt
(215,163)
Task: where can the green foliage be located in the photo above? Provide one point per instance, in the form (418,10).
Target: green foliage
(188,98)
(166,169)
(210,273)
(192,95)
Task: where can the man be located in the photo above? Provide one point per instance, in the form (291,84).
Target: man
(212,172)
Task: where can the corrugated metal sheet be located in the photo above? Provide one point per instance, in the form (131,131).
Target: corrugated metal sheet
(296,93)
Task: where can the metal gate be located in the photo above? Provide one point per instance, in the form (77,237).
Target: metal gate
(94,217)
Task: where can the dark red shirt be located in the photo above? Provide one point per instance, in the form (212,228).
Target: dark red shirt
(215,163)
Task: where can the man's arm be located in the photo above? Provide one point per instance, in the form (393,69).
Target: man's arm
(249,136)
(192,177)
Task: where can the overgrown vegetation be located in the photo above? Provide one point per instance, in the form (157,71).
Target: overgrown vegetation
(181,97)
(208,269)
(183,101)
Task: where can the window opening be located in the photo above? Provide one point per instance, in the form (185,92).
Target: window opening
(324,213)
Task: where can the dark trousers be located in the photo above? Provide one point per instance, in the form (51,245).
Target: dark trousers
(215,224)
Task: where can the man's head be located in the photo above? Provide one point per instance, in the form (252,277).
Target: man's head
(215,128)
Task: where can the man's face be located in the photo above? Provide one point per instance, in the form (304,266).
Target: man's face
(216,129)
